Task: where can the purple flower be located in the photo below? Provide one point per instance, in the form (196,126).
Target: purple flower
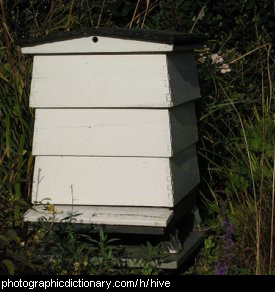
(222,265)
(226,225)
(221,268)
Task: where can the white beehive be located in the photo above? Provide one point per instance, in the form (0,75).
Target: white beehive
(115,124)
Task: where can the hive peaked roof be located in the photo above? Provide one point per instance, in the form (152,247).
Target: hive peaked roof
(108,40)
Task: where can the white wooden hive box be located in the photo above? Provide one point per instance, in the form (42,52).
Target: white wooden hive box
(115,123)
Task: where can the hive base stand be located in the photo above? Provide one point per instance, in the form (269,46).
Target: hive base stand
(167,251)
(132,255)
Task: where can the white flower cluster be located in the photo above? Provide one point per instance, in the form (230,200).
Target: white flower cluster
(216,59)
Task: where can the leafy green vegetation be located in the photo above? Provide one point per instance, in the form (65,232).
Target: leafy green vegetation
(236,129)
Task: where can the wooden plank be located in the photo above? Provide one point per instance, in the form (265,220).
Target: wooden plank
(102,132)
(114,132)
(103,215)
(100,81)
(99,44)
(118,181)
(133,80)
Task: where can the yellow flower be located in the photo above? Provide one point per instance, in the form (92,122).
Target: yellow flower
(76,266)
(85,262)
(52,209)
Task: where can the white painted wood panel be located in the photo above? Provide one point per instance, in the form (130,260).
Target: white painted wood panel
(103,45)
(114,132)
(104,215)
(102,132)
(118,181)
(102,181)
(100,81)
(114,80)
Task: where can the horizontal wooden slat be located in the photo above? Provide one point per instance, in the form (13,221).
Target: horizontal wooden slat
(133,80)
(118,181)
(114,132)
(103,215)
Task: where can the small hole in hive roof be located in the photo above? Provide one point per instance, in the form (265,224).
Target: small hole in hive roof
(95,39)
